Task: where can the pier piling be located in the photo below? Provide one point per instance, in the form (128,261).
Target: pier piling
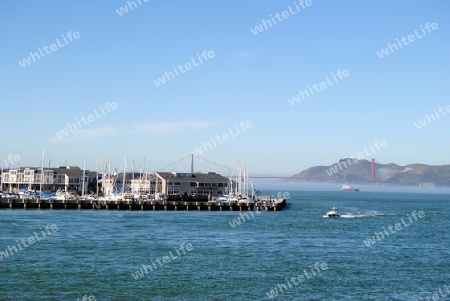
(193,204)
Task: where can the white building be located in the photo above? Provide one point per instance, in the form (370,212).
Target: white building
(192,183)
(60,178)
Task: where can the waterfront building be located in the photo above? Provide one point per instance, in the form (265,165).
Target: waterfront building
(173,183)
(70,178)
(64,178)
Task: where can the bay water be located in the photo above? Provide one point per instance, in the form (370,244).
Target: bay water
(386,246)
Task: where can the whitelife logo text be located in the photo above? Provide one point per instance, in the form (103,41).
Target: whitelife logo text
(52,48)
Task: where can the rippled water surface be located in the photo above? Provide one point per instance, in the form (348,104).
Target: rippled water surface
(97,253)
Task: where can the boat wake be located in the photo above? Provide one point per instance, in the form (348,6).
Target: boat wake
(334,213)
(364,214)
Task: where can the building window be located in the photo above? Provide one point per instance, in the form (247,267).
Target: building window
(174,191)
(193,184)
(177,183)
(207,184)
(219,184)
(214,184)
(202,185)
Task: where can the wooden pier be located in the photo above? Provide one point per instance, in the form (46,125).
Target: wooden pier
(177,204)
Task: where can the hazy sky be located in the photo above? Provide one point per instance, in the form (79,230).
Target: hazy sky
(116,58)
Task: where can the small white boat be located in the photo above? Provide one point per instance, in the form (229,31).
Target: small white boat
(61,195)
(333,212)
(89,197)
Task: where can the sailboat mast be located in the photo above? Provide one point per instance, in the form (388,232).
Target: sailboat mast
(96,182)
(42,172)
(124,175)
(84,176)
(240,180)
(110,177)
(230,181)
(103,177)
(1,178)
(145,170)
(253,187)
(244,175)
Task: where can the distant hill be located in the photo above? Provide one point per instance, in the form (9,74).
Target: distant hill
(347,170)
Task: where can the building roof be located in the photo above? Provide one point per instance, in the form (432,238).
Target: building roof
(210,177)
(75,171)
(70,171)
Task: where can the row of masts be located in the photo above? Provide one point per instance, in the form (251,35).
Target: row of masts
(105,169)
(240,183)
(143,175)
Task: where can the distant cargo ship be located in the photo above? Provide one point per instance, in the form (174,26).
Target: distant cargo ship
(347,187)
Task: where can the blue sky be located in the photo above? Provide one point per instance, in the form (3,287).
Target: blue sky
(250,78)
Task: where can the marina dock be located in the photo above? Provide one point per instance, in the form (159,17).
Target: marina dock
(171,204)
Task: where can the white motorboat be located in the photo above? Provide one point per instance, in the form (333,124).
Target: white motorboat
(61,195)
(333,212)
